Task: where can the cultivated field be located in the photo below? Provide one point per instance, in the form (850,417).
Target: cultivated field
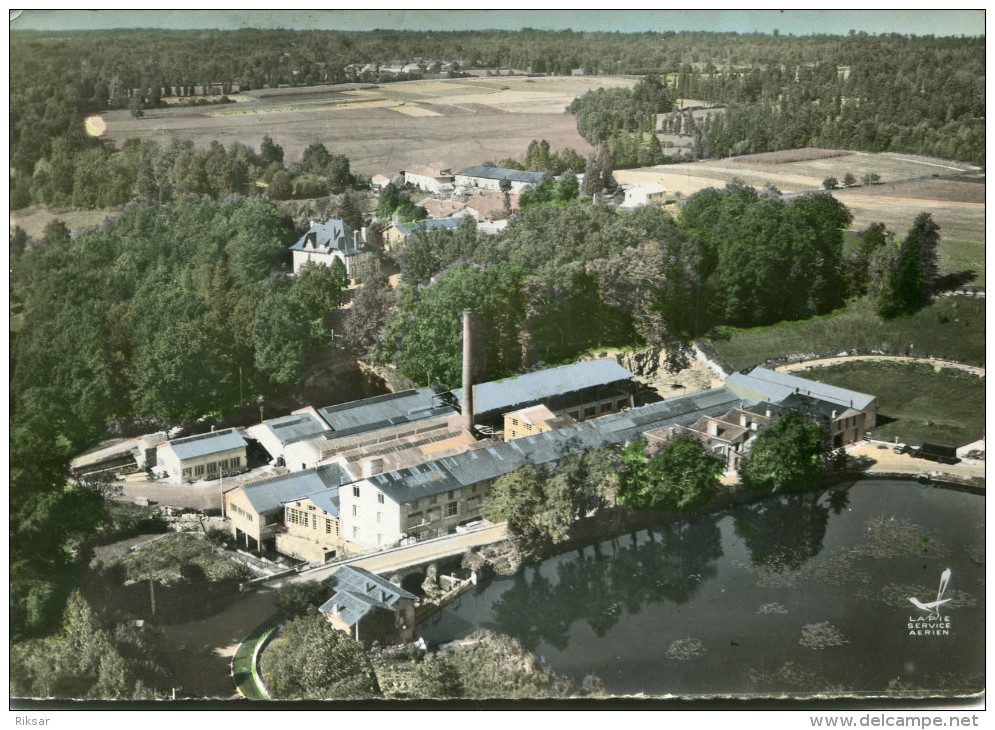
(383,129)
(907,188)
(792,176)
(34,219)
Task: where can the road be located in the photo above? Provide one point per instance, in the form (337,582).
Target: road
(886,461)
(805,365)
(422,552)
(198,654)
(200,495)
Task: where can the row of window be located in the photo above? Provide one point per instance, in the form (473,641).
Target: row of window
(416,518)
(239,511)
(300,517)
(213,467)
(592,411)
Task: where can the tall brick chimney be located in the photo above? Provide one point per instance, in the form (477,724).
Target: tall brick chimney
(467,405)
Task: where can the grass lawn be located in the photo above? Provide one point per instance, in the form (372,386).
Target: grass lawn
(916,402)
(958,255)
(168,554)
(244,664)
(953,328)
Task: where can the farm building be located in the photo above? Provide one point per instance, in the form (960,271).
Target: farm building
(200,457)
(490,178)
(638,195)
(430,179)
(437,208)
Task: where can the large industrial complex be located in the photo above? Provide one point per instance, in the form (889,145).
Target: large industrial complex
(404,467)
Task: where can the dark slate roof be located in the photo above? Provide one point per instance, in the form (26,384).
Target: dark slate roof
(331,235)
(296,427)
(431,224)
(813,407)
(270,494)
(192,447)
(383,411)
(776,386)
(502,173)
(483,464)
(358,591)
(505,395)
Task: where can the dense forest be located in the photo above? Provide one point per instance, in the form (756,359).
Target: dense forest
(562,279)
(172,312)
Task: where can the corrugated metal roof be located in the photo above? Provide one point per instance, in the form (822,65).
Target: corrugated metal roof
(384,411)
(777,386)
(500,396)
(358,591)
(333,234)
(269,494)
(502,173)
(296,427)
(327,499)
(192,447)
(501,457)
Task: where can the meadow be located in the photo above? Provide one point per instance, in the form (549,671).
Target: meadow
(953,328)
(917,402)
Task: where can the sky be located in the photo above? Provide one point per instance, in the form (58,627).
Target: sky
(797,22)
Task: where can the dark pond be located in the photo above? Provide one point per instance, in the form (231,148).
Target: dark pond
(802,594)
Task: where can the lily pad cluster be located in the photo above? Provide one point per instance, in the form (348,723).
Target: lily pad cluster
(685,649)
(822,635)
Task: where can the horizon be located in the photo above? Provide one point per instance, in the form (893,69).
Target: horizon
(796,23)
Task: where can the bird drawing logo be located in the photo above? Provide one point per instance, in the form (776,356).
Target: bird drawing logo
(932,608)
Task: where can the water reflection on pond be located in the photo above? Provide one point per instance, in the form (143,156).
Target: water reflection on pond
(806,593)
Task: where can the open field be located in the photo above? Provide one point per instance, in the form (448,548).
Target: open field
(916,401)
(808,174)
(957,256)
(458,122)
(953,328)
(957,220)
(34,219)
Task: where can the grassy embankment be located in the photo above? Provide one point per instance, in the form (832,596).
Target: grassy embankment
(953,328)
(167,556)
(917,402)
(244,668)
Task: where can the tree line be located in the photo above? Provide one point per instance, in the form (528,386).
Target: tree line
(81,173)
(171,312)
(704,65)
(544,504)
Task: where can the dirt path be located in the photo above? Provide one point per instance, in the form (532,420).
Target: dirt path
(796,366)
(198,654)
